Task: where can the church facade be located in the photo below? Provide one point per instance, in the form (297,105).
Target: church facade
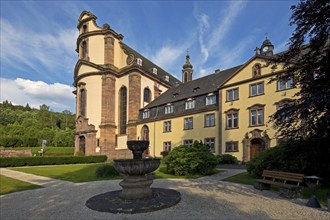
(121,95)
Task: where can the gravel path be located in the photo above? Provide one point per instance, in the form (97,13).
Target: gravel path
(203,198)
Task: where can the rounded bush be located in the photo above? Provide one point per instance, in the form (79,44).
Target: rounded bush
(107,170)
(184,160)
(226,159)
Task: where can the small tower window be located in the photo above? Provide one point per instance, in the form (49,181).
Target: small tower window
(84,49)
(84,29)
(167,78)
(154,71)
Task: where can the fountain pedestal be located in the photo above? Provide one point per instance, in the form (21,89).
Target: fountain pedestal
(136,195)
(136,187)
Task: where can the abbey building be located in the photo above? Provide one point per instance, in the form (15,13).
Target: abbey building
(121,95)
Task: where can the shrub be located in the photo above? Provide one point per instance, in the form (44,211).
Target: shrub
(107,170)
(35,161)
(184,160)
(226,159)
(309,157)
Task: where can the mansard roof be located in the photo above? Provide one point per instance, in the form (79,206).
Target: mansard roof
(197,87)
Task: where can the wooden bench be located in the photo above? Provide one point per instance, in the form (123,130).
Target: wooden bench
(289,183)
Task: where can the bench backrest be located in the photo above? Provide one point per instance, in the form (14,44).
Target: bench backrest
(294,177)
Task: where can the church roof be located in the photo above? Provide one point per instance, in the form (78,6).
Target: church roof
(197,87)
(148,66)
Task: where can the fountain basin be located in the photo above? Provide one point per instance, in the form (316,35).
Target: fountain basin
(137,147)
(140,167)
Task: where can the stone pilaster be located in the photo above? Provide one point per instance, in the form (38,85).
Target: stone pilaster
(108,126)
(134,104)
(109,49)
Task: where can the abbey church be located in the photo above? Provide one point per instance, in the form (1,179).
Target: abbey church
(121,95)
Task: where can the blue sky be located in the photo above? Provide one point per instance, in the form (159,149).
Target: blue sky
(38,39)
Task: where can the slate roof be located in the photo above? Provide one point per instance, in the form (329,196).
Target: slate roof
(193,88)
(147,66)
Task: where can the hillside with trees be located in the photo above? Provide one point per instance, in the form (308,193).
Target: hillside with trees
(25,127)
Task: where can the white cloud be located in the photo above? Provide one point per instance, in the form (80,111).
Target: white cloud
(203,24)
(39,51)
(22,91)
(218,32)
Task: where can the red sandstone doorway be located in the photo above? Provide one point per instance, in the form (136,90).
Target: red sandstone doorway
(257,145)
(82,144)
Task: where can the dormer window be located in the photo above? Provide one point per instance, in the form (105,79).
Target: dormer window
(196,89)
(190,104)
(139,61)
(168,109)
(154,71)
(146,114)
(211,100)
(167,78)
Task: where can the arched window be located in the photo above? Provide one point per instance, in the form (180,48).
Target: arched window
(83,102)
(146,95)
(256,70)
(123,110)
(84,49)
(84,28)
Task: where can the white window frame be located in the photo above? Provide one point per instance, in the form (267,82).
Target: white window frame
(209,120)
(190,104)
(188,142)
(257,87)
(211,142)
(169,109)
(231,95)
(284,84)
(146,114)
(211,100)
(167,126)
(188,123)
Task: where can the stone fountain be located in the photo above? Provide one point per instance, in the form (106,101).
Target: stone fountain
(136,195)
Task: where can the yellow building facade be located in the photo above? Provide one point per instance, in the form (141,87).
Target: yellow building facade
(121,96)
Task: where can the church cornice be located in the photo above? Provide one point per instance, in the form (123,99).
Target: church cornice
(112,70)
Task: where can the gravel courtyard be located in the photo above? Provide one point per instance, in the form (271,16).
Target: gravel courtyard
(203,198)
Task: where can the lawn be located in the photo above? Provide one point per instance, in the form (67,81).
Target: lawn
(49,151)
(74,173)
(86,172)
(246,178)
(9,185)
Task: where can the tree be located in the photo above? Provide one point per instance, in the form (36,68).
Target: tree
(307,63)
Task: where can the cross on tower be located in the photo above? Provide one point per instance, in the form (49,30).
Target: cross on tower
(256,50)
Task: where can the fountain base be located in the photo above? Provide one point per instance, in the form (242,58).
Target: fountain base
(136,187)
(114,203)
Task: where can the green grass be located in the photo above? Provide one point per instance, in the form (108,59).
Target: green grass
(246,178)
(86,172)
(74,173)
(49,151)
(9,185)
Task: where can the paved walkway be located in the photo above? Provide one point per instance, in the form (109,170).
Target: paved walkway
(202,198)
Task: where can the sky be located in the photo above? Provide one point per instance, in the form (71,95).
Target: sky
(38,39)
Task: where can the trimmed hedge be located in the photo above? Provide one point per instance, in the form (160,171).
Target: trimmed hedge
(35,161)
(107,170)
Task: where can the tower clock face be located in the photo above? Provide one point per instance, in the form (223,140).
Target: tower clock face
(265,49)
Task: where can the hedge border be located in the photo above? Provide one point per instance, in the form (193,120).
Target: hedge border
(35,161)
